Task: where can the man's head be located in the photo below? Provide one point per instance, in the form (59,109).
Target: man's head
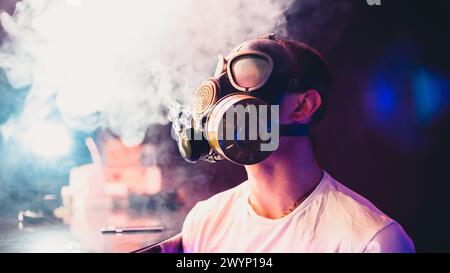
(264,88)
(302,103)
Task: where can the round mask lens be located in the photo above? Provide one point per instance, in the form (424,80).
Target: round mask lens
(250,71)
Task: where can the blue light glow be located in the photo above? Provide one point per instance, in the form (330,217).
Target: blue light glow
(430,96)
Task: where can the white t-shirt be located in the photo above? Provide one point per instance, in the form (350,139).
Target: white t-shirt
(331,219)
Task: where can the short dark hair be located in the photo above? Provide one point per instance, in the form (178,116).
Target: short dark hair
(312,67)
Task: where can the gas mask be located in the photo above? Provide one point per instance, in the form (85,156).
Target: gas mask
(235,113)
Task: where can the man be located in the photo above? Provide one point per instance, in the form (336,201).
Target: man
(288,203)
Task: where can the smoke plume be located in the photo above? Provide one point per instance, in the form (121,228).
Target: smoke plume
(122,64)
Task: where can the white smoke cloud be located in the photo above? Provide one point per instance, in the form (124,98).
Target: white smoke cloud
(121,64)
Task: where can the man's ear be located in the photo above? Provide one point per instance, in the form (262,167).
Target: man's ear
(307,104)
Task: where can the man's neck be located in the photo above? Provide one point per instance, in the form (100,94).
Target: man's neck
(286,176)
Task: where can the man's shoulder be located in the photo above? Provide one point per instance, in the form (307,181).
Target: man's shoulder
(353,203)
(354,211)
(221,202)
(206,216)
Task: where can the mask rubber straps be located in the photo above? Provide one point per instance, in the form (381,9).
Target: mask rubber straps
(294,129)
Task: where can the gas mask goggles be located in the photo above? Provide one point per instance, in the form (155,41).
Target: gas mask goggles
(231,115)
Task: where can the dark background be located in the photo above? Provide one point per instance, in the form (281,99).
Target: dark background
(387,129)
